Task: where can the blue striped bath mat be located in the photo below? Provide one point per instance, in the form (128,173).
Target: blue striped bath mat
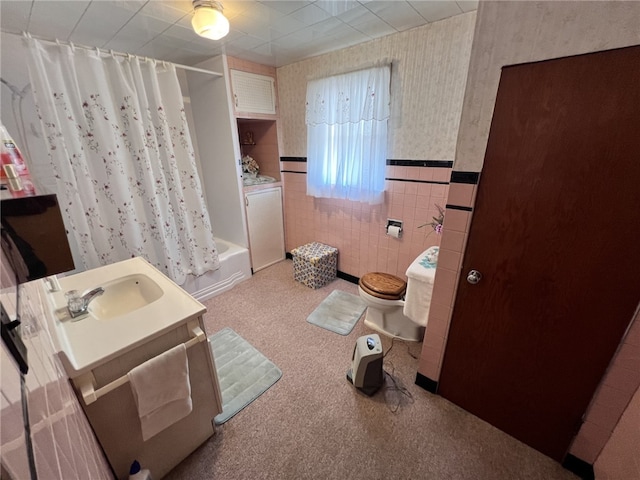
(339,312)
(243,372)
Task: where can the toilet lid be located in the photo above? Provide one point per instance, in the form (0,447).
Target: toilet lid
(383,285)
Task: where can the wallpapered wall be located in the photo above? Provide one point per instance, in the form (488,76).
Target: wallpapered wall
(429,71)
(529,32)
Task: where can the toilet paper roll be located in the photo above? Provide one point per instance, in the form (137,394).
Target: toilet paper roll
(394,231)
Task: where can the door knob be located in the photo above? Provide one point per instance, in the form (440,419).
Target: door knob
(474,277)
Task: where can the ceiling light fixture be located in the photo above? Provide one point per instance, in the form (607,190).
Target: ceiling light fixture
(208,20)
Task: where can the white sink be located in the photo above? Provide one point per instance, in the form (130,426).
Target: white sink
(124,295)
(139,303)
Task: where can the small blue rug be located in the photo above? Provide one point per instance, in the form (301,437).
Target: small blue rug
(339,312)
(243,372)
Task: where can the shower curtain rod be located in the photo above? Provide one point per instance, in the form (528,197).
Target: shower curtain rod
(120,54)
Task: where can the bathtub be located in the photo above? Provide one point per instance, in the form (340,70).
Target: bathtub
(235,267)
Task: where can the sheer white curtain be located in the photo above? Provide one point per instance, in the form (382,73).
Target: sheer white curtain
(346,118)
(125,168)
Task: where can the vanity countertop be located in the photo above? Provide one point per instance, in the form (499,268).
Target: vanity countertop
(264,186)
(96,338)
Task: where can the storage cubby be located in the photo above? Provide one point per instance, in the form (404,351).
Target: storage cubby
(259,140)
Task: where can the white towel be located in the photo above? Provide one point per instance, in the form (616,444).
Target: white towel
(417,299)
(162,390)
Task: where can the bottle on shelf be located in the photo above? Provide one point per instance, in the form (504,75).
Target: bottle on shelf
(10,155)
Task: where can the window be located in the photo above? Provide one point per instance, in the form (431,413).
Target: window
(347,135)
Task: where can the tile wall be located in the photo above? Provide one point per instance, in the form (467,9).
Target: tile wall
(462,193)
(619,458)
(611,401)
(64,445)
(358,230)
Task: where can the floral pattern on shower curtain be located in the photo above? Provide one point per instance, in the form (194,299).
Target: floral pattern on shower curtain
(121,152)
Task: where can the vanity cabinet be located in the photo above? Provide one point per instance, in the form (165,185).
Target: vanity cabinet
(266,228)
(114,416)
(141,315)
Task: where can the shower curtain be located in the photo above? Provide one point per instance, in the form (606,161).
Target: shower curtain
(120,149)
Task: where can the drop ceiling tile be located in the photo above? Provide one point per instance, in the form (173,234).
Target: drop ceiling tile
(287,24)
(286,7)
(156,52)
(55,19)
(434,11)
(341,37)
(375,28)
(262,12)
(185,6)
(167,43)
(101,21)
(468,5)
(301,37)
(137,32)
(232,8)
(254,27)
(400,15)
(210,48)
(355,15)
(310,15)
(162,11)
(14,16)
(178,31)
(246,42)
(328,27)
(191,58)
(336,8)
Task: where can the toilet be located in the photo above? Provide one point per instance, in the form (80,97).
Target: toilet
(395,308)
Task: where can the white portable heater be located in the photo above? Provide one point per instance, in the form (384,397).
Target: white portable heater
(366,372)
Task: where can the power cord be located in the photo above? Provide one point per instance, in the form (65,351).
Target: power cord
(397,386)
(408,349)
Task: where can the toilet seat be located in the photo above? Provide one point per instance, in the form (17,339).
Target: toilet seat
(383,285)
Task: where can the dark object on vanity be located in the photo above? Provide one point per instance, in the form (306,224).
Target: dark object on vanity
(34,237)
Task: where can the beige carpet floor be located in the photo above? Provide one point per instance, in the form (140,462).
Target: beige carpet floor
(312,424)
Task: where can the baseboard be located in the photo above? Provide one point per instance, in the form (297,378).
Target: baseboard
(426,383)
(581,468)
(347,277)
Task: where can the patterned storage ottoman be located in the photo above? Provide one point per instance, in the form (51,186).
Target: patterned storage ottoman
(315,264)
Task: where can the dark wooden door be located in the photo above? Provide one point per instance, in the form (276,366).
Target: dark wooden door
(556,234)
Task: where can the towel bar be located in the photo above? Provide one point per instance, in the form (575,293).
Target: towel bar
(86,383)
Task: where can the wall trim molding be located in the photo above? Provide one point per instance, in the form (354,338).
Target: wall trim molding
(459,207)
(416,181)
(293,159)
(465,177)
(395,162)
(421,163)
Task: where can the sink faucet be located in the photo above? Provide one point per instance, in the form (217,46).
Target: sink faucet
(80,305)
